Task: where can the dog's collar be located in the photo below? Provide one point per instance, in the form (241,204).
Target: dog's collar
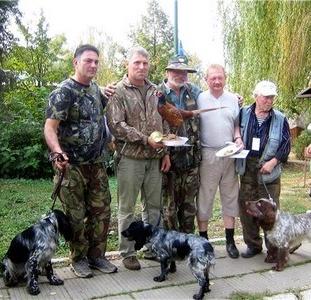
(270,200)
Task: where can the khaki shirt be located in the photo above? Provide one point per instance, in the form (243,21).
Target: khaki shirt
(132,118)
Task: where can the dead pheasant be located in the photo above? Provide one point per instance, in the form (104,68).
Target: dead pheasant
(170,113)
(176,116)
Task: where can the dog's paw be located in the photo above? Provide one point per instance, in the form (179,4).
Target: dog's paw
(270,259)
(207,289)
(8,280)
(172,268)
(278,268)
(33,289)
(159,278)
(55,280)
(197,297)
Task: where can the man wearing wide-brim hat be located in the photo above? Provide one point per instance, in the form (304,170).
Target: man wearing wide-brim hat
(181,184)
(179,63)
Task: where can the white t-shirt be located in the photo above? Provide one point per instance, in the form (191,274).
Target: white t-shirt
(217,127)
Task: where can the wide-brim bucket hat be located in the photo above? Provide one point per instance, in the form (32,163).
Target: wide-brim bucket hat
(180,63)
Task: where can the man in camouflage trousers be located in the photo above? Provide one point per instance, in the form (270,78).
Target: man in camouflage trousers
(181,183)
(76,135)
(132,116)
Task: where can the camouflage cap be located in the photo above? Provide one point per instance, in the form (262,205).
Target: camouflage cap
(180,62)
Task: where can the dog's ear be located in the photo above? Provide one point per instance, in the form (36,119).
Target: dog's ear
(64,226)
(148,229)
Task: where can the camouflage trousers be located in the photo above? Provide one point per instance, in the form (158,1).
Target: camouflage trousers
(180,191)
(86,199)
(251,190)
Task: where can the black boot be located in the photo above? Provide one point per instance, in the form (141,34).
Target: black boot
(231,248)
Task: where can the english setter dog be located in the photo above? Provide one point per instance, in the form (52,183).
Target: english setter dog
(30,252)
(284,231)
(171,245)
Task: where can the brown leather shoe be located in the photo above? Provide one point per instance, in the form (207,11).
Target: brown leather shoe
(131,263)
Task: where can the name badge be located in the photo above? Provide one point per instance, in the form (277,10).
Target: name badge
(256,144)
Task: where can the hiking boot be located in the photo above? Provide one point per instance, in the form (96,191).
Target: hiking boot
(102,264)
(250,252)
(81,268)
(131,263)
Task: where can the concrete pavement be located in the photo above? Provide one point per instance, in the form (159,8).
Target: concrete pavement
(229,278)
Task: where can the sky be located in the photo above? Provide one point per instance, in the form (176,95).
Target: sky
(199,27)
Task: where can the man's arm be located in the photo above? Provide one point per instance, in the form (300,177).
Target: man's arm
(282,152)
(50,134)
(284,148)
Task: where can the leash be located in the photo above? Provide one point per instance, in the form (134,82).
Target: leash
(57,188)
(54,156)
(267,191)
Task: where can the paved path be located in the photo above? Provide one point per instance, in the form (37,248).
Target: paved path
(229,276)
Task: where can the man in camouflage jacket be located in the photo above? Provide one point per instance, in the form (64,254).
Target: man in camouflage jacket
(181,183)
(76,135)
(132,116)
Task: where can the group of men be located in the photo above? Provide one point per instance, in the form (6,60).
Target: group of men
(182,181)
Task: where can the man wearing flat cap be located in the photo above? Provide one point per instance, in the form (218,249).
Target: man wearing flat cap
(265,132)
(181,184)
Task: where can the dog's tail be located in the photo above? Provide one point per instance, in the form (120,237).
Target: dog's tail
(2,264)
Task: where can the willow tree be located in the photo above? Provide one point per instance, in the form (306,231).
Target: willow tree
(268,40)
(155,34)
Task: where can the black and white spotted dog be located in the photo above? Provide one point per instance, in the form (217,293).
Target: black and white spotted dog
(30,252)
(284,231)
(171,245)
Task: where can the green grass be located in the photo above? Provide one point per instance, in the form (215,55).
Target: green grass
(22,202)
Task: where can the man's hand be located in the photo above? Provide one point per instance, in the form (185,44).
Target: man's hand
(166,163)
(239,142)
(268,166)
(109,90)
(153,144)
(59,160)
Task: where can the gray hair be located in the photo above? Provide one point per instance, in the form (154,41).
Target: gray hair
(217,67)
(137,50)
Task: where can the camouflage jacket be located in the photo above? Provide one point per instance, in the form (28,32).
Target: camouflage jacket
(131,119)
(80,109)
(183,158)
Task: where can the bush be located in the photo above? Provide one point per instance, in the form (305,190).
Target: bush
(302,141)
(23,153)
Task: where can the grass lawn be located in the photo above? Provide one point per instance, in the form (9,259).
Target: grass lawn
(22,202)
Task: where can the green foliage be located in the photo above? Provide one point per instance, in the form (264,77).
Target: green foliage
(247,296)
(36,65)
(302,141)
(40,61)
(268,40)
(22,151)
(7,9)
(155,34)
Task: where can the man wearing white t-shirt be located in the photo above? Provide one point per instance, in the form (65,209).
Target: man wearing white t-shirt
(217,128)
